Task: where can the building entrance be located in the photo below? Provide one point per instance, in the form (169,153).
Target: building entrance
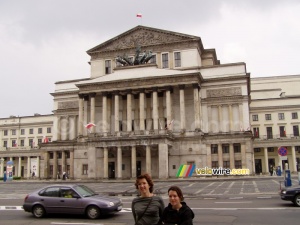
(111,170)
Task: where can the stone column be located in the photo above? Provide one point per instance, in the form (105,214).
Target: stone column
(208,157)
(2,166)
(46,165)
(19,166)
(38,166)
(243,153)
(105,163)
(220,155)
(200,111)
(136,113)
(92,162)
(72,164)
(266,157)
(231,128)
(55,165)
(231,156)
(58,128)
(28,167)
(163,162)
(129,111)
(241,117)
(104,112)
(63,161)
(182,107)
(294,160)
(80,115)
(148,159)
(196,106)
(155,108)
(209,115)
(142,110)
(85,113)
(133,161)
(119,162)
(148,112)
(169,107)
(220,118)
(124,113)
(93,110)
(117,117)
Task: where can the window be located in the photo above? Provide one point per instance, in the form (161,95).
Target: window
(268,117)
(225,148)
(39,141)
(67,155)
(22,143)
(255,117)
(256,149)
(214,149)
(40,130)
(50,192)
(270,149)
(226,164)
(85,169)
(51,155)
(22,131)
(256,132)
(214,164)
(269,133)
(4,143)
(165,60)
(237,148)
(5,132)
(281,116)
(177,58)
(282,131)
(296,130)
(31,131)
(31,142)
(14,143)
(13,132)
(107,66)
(59,155)
(238,164)
(153,59)
(294,115)
(48,130)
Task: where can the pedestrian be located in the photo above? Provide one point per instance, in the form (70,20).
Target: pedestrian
(64,176)
(271,170)
(274,171)
(4,176)
(177,212)
(147,208)
(33,174)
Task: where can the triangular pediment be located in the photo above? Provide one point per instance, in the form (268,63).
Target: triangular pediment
(142,36)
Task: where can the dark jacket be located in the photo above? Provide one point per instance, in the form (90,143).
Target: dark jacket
(184,216)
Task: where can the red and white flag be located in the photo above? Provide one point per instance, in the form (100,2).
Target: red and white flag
(89,125)
(46,140)
(139,15)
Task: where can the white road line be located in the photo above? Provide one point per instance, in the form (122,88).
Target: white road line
(229,187)
(11,208)
(234,202)
(255,186)
(60,223)
(204,188)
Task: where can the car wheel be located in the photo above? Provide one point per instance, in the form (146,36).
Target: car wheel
(297,200)
(93,212)
(38,211)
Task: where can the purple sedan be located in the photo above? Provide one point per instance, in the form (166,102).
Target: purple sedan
(70,199)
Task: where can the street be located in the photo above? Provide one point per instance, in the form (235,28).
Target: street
(238,202)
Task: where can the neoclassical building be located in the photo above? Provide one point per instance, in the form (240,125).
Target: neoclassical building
(157,99)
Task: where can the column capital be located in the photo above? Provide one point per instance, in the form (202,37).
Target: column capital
(81,95)
(93,94)
(169,88)
(86,97)
(104,93)
(154,89)
(129,91)
(141,90)
(116,92)
(196,85)
(181,86)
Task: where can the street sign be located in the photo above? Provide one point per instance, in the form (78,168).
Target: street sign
(282,151)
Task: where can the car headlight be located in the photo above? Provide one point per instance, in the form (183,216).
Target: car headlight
(283,192)
(111,204)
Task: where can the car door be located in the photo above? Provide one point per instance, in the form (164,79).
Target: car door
(70,202)
(49,198)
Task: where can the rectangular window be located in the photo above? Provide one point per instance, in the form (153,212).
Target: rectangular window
(48,130)
(4,143)
(270,149)
(31,142)
(214,149)
(67,155)
(40,130)
(85,168)
(255,117)
(14,143)
(13,132)
(51,155)
(238,164)
(165,60)
(59,155)
(269,133)
(5,132)
(296,130)
(31,131)
(39,141)
(256,132)
(294,115)
(226,164)
(268,117)
(22,131)
(214,164)
(177,58)
(225,148)
(153,59)
(282,131)
(107,66)
(281,116)
(237,148)
(256,149)
(22,143)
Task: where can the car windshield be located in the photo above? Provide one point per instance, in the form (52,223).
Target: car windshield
(84,191)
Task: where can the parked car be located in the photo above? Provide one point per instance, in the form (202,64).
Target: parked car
(291,194)
(70,199)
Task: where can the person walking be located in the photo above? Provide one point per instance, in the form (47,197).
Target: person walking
(177,212)
(147,208)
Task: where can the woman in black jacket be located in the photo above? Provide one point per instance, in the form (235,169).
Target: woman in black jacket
(177,212)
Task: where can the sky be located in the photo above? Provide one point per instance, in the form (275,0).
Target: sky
(42,42)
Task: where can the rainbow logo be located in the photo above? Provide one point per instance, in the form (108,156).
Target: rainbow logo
(186,170)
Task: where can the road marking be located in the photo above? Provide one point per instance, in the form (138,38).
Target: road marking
(229,187)
(236,198)
(234,202)
(255,186)
(264,197)
(59,223)
(11,208)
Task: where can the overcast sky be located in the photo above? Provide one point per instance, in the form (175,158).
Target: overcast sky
(42,42)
